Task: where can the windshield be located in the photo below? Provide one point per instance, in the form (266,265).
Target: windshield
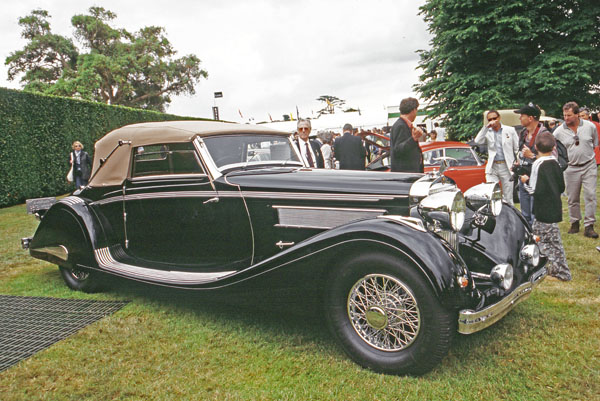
(229,151)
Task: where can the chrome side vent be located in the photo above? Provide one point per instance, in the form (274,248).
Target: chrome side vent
(321,217)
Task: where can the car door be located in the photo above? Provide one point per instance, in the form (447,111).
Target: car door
(174,215)
(467,171)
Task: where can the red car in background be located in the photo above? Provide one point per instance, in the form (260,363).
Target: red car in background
(465,167)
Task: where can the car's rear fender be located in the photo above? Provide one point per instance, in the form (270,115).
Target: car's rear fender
(67,232)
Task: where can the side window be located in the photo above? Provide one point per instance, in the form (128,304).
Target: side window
(165,159)
(463,156)
(431,158)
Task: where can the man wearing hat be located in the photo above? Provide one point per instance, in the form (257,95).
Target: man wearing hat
(502,144)
(530,119)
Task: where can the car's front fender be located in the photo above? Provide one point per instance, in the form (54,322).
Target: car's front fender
(316,258)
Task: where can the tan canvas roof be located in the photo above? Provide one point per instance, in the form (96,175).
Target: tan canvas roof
(116,167)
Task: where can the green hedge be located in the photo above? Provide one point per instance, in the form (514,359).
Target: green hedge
(36,133)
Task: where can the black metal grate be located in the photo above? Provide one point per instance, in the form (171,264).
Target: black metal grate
(31,324)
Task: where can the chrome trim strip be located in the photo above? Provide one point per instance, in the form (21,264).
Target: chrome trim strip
(411,222)
(328,208)
(253,195)
(303,226)
(59,251)
(168,176)
(206,158)
(71,200)
(320,196)
(106,261)
(470,321)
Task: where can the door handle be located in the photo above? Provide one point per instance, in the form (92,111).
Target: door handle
(281,244)
(211,200)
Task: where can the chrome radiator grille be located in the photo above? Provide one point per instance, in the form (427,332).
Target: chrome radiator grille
(451,237)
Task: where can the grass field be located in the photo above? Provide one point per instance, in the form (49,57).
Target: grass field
(169,345)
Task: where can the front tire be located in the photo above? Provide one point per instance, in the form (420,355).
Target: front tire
(386,316)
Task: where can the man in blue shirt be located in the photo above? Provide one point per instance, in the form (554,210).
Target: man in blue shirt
(503,144)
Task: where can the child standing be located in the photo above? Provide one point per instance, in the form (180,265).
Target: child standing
(546,184)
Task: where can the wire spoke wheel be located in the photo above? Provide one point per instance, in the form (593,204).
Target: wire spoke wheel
(384,312)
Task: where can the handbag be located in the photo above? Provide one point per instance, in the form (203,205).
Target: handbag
(70,175)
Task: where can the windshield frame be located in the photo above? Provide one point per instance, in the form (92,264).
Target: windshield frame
(216,171)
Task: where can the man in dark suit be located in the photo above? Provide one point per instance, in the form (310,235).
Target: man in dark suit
(349,150)
(309,149)
(406,154)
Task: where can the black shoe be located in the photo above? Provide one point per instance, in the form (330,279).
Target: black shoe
(589,232)
(574,228)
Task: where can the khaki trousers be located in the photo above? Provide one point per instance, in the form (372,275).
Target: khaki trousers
(575,179)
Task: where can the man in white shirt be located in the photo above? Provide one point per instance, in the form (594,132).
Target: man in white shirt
(503,144)
(309,149)
(441,132)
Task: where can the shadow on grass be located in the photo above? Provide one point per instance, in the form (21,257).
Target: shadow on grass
(291,321)
(271,313)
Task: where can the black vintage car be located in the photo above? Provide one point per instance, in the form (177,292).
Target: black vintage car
(398,262)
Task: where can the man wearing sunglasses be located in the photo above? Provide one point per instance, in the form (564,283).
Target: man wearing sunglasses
(309,149)
(580,138)
(502,144)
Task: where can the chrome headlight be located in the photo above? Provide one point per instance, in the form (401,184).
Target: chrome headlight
(445,208)
(486,198)
(531,254)
(502,275)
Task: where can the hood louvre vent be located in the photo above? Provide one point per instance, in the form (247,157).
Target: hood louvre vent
(321,217)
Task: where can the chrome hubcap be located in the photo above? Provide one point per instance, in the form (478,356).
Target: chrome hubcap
(79,274)
(383,312)
(376,317)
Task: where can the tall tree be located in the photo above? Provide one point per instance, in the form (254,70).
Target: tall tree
(331,102)
(45,58)
(487,54)
(115,66)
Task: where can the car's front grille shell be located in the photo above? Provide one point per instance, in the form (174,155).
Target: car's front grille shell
(451,237)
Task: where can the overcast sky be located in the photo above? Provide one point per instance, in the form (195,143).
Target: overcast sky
(269,56)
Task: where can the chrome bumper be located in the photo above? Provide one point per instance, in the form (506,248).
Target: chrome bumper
(470,321)
(25,242)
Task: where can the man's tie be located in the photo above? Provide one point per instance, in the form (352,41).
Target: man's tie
(309,158)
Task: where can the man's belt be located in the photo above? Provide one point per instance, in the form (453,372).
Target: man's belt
(583,164)
(499,161)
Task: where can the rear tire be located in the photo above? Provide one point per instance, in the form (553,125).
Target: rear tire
(76,278)
(80,280)
(386,316)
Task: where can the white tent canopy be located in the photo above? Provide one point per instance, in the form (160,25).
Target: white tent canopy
(335,122)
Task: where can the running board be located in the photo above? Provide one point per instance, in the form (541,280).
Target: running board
(108,262)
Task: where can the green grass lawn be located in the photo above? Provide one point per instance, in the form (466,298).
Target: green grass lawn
(174,345)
